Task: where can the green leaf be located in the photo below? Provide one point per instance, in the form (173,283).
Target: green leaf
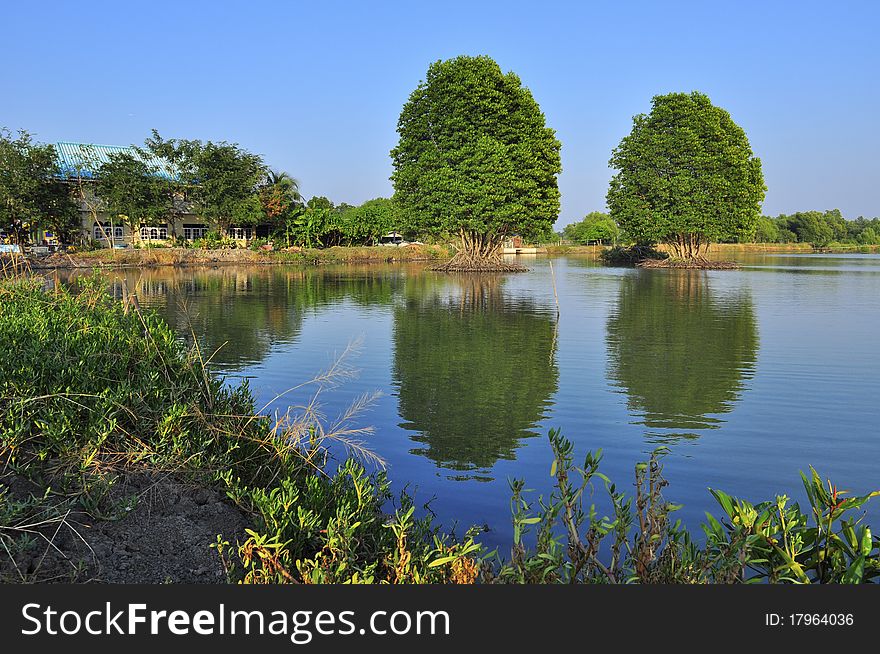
(724,500)
(867,544)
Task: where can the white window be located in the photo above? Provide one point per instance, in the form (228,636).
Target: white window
(241,233)
(193,232)
(154,233)
(101,232)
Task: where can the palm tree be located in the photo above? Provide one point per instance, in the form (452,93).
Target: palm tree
(285,183)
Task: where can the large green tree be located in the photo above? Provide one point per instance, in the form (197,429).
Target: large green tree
(31,195)
(686,176)
(221,180)
(134,192)
(475,160)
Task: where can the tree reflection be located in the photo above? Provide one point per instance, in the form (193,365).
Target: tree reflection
(237,313)
(474,368)
(681,352)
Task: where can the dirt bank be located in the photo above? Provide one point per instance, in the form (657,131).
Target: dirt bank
(159,532)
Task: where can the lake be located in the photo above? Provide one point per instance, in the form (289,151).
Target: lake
(747,376)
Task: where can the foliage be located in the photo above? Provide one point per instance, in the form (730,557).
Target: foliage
(320,223)
(133,191)
(818,228)
(596,227)
(766,230)
(31,196)
(222,179)
(638,542)
(475,159)
(686,176)
(214,240)
(370,221)
(97,386)
(779,543)
(279,196)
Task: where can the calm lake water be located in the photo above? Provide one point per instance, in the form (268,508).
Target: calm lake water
(748,376)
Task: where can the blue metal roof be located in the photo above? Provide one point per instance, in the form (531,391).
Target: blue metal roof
(84,159)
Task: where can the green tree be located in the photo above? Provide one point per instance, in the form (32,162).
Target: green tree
(838,224)
(811,227)
(60,215)
(596,227)
(475,160)
(279,196)
(686,176)
(367,223)
(227,179)
(220,179)
(178,158)
(307,225)
(31,195)
(766,230)
(133,191)
(869,236)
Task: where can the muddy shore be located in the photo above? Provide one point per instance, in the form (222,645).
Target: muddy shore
(160,531)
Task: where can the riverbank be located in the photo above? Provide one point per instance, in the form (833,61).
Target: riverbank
(154,257)
(123,457)
(106,259)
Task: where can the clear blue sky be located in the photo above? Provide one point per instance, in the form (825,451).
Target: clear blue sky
(316,88)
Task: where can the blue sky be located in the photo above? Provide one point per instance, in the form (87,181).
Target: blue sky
(316,88)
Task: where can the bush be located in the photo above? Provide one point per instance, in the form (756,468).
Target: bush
(214,241)
(621,255)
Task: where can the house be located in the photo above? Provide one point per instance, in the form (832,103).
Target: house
(79,164)
(514,245)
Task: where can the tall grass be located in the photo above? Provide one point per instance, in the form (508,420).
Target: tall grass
(91,388)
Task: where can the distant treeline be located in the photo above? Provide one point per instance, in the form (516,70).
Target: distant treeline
(818,228)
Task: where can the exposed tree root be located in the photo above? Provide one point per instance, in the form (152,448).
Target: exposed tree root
(469,264)
(479,253)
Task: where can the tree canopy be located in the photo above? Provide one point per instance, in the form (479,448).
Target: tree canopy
(132,189)
(686,176)
(31,195)
(596,227)
(222,178)
(475,159)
